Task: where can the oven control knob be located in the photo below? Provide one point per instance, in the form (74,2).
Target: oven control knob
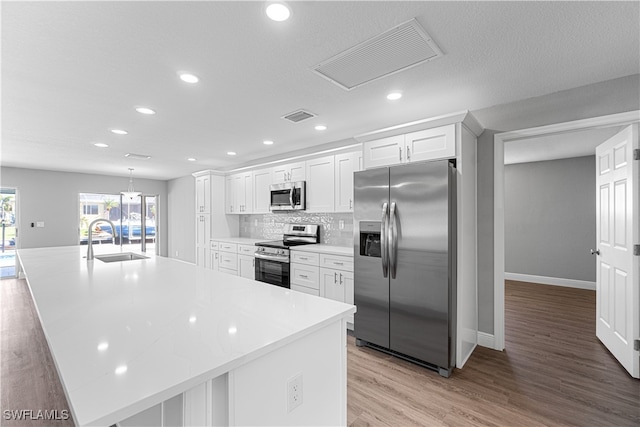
(280,251)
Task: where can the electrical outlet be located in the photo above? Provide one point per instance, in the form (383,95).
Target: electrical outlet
(341,224)
(255,222)
(294,392)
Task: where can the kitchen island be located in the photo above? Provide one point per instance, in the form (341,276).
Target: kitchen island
(160,341)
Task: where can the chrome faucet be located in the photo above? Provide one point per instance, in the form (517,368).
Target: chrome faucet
(90,242)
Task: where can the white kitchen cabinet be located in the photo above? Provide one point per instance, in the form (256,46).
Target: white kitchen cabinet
(290,172)
(246,261)
(345,166)
(305,275)
(203,236)
(262,180)
(239,193)
(215,256)
(203,194)
(305,290)
(429,144)
(320,178)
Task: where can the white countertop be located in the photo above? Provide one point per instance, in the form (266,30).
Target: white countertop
(171,324)
(238,240)
(322,248)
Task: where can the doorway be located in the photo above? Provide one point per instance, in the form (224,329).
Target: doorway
(499,233)
(9,230)
(134,219)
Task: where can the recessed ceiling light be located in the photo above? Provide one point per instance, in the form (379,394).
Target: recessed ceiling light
(192,159)
(119,131)
(394,96)
(101,145)
(145,110)
(321,127)
(267,142)
(231,153)
(278,12)
(189,78)
(121,369)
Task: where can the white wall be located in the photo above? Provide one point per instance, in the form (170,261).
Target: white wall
(52,197)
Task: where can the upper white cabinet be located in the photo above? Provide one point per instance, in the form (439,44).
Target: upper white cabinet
(239,193)
(344,167)
(203,194)
(429,144)
(290,172)
(262,180)
(320,184)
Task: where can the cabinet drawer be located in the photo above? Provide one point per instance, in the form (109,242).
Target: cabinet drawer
(337,262)
(305,290)
(215,245)
(228,271)
(305,258)
(228,247)
(246,249)
(229,261)
(305,275)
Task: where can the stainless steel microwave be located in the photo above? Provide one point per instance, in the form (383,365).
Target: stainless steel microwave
(288,196)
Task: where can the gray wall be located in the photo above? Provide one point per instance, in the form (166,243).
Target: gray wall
(600,99)
(550,218)
(52,197)
(182,224)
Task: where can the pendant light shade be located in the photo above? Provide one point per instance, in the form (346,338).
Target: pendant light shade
(131,193)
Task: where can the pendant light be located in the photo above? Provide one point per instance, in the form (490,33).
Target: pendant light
(131,193)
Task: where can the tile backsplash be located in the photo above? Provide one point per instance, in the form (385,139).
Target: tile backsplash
(269,226)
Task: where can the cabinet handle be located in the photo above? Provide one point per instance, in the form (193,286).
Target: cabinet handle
(408,154)
(400,151)
(350,204)
(304,276)
(304,258)
(341,278)
(338,263)
(335,277)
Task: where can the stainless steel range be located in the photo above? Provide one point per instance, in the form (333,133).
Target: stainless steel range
(272,258)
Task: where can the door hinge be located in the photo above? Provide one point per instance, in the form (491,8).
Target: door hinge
(636,345)
(636,154)
(636,250)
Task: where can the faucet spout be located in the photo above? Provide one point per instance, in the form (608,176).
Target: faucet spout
(90,237)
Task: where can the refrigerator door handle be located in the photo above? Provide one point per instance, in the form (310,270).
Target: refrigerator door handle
(393,241)
(384,226)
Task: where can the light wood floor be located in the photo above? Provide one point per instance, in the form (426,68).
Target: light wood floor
(553,371)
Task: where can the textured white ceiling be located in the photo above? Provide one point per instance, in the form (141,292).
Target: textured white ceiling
(73,70)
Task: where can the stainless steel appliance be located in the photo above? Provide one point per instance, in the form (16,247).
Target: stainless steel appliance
(405,262)
(272,258)
(288,196)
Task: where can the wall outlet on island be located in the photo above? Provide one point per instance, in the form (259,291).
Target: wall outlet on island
(294,392)
(341,224)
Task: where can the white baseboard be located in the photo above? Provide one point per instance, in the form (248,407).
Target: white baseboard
(486,340)
(557,281)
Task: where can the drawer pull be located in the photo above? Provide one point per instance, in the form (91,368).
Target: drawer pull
(304,258)
(304,276)
(338,263)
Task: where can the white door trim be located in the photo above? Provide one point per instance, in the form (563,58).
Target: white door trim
(499,140)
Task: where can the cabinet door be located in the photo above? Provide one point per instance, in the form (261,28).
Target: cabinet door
(229,194)
(202,257)
(320,179)
(345,166)
(203,194)
(245,192)
(431,144)
(280,174)
(384,152)
(203,231)
(261,187)
(332,284)
(297,171)
(246,266)
(215,260)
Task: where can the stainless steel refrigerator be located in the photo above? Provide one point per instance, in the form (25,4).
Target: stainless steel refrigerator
(405,262)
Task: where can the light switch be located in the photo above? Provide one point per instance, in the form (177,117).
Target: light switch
(40,224)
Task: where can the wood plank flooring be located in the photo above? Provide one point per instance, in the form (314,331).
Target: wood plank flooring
(553,372)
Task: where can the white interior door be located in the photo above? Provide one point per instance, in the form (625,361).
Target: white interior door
(618,278)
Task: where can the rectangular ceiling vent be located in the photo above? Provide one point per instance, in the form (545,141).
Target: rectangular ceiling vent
(400,48)
(137,156)
(298,116)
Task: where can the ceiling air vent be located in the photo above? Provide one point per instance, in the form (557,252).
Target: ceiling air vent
(298,116)
(395,50)
(137,156)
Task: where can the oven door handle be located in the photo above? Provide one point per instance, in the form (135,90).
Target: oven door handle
(272,258)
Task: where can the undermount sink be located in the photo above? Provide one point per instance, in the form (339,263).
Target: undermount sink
(120,256)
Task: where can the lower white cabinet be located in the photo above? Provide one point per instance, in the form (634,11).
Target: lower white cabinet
(233,258)
(326,275)
(246,266)
(215,256)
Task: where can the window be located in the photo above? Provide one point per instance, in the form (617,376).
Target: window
(90,209)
